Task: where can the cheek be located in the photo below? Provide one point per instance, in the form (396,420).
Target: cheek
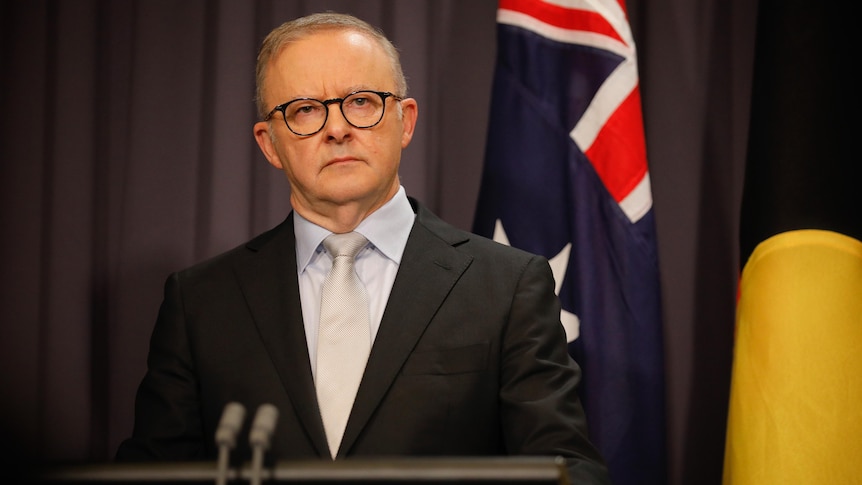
(297,166)
(389,146)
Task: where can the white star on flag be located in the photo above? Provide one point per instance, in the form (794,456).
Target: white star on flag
(559,265)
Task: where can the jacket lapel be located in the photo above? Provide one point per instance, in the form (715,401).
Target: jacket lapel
(269,285)
(429,269)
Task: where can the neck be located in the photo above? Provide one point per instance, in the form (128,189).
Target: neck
(340,217)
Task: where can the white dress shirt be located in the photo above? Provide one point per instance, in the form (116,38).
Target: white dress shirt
(386,229)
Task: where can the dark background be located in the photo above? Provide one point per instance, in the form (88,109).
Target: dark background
(126,152)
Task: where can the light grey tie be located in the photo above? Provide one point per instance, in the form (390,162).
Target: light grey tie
(344,336)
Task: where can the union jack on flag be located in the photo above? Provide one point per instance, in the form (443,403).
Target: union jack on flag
(566,177)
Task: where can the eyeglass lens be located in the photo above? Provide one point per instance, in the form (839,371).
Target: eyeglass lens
(307,116)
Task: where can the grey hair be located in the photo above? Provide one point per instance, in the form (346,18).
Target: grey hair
(302,27)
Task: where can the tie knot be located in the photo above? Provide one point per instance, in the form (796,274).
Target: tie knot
(347,244)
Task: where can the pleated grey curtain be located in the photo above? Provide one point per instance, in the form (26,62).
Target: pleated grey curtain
(126,153)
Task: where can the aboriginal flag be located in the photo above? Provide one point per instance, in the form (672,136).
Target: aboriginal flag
(566,177)
(795,411)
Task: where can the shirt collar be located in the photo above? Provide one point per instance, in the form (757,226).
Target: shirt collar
(387,229)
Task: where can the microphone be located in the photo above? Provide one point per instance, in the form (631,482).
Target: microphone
(261,431)
(225,436)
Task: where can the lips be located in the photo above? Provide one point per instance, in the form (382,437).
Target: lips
(340,160)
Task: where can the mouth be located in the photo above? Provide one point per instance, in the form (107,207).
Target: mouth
(341,161)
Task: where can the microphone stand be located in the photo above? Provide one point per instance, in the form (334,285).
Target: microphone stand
(225,437)
(259,438)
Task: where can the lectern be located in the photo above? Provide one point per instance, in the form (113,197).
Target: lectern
(425,471)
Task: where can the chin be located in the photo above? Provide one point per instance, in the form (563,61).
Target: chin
(349,191)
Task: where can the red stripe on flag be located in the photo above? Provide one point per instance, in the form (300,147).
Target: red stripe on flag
(564,18)
(619,152)
(622,4)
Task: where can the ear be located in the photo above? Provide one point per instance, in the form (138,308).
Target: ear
(264,141)
(409,114)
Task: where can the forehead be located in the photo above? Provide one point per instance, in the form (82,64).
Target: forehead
(329,63)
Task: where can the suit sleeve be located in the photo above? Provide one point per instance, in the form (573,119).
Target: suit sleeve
(168,424)
(541,410)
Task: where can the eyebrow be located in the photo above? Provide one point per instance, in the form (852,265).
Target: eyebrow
(351,89)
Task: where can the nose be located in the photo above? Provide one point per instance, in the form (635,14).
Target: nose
(336,127)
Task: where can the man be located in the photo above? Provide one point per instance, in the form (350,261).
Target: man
(467,354)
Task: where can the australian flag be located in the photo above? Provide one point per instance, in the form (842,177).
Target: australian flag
(566,177)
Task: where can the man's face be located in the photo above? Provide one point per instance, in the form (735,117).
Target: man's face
(340,166)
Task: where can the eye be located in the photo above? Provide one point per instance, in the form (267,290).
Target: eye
(303,108)
(365,104)
(359,101)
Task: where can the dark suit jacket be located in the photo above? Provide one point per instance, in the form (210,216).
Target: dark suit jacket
(470,358)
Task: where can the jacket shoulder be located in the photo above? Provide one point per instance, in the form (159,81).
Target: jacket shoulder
(275,240)
(474,244)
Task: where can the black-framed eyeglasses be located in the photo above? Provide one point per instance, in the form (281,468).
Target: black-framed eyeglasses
(307,116)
